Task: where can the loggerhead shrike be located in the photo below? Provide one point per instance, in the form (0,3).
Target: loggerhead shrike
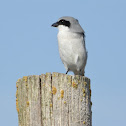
(71,43)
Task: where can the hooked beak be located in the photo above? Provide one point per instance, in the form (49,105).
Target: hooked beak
(55,24)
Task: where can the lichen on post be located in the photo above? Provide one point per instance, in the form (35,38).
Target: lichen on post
(54,100)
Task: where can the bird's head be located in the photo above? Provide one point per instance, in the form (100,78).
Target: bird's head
(68,24)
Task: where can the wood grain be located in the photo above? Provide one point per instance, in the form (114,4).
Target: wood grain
(54,100)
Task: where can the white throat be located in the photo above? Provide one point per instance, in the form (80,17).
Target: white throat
(63,28)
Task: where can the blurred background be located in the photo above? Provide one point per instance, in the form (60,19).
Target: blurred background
(28,46)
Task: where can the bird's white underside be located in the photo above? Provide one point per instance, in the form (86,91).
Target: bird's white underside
(72,50)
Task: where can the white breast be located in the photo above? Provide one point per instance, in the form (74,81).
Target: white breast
(72,49)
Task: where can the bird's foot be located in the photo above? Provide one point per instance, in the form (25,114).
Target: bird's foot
(67,71)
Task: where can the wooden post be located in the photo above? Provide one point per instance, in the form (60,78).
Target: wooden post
(54,100)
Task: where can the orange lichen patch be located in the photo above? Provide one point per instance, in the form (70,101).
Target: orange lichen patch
(54,90)
(64,102)
(50,105)
(16,99)
(85,83)
(27,103)
(84,94)
(74,85)
(84,122)
(17,105)
(16,86)
(62,93)
(17,109)
(83,90)
(25,78)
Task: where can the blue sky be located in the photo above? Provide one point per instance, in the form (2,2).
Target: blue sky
(28,46)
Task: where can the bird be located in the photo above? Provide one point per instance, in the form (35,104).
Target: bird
(71,44)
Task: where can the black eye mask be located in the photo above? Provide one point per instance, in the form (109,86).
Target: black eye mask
(64,22)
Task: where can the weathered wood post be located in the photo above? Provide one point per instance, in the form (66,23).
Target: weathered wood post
(54,100)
